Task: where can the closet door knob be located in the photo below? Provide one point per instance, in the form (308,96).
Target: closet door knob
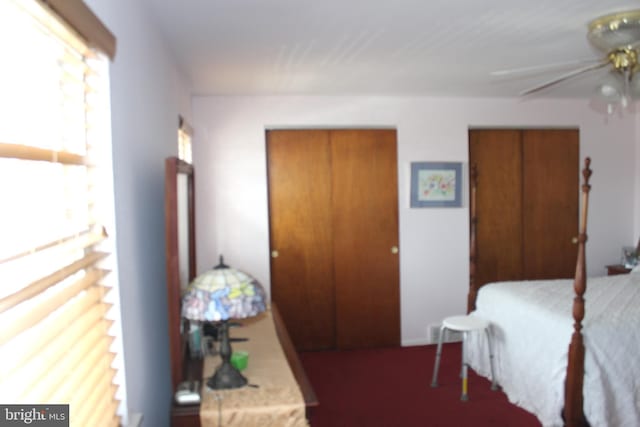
(394,250)
(274,254)
(574,240)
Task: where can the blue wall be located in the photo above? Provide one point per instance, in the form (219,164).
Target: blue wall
(147,94)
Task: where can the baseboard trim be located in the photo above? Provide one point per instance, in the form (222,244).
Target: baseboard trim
(414,342)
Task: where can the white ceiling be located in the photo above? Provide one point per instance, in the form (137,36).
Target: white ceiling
(381,47)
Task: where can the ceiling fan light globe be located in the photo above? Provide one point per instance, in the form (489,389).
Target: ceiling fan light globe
(608,91)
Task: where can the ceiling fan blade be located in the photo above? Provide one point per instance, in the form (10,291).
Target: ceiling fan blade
(565,76)
(545,67)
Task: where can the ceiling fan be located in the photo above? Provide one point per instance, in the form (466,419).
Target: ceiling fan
(618,36)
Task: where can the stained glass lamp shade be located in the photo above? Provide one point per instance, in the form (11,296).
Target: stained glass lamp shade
(218,295)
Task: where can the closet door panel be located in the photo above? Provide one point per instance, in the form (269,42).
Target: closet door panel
(365,225)
(299,173)
(498,156)
(550,215)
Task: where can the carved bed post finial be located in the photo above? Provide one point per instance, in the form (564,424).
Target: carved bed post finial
(573,412)
(473,288)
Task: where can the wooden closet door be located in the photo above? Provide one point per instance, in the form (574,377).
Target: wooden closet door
(300,219)
(365,226)
(498,156)
(550,210)
(334,224)
(527,203)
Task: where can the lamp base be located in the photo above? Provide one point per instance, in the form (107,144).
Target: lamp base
(225,377)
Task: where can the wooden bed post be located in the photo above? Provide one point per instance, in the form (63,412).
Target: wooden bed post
(473,287)
(573,412)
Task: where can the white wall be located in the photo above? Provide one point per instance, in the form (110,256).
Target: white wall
(231,177)
(636,191)
(147,94)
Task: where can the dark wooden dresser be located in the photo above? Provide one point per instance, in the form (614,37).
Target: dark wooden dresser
(614,269)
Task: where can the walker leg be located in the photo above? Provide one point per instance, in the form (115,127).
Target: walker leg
(434,380)
(465,384)
(494,384)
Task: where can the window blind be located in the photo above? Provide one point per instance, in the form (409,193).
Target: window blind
(55,254)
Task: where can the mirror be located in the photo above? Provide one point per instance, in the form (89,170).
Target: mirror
(180,253)
(183,221)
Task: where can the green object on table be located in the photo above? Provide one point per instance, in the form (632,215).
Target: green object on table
(240,359)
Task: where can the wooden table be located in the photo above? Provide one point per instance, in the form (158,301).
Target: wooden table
(189,416)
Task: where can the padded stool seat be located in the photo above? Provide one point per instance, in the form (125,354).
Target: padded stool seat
(464,324)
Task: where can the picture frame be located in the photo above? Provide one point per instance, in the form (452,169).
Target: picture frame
(436,184)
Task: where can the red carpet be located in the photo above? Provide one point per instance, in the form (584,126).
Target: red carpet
(392,388)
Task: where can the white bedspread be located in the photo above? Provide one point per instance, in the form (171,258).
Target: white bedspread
(532,327)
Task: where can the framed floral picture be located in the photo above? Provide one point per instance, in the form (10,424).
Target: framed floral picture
(436,184)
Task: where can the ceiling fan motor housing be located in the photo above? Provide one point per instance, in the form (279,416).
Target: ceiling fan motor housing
(615,31)
(624,59)
(617,34)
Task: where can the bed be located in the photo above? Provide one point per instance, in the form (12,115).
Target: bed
(532,326)
(567,362)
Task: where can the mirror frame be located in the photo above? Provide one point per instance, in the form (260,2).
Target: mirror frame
(177,343)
